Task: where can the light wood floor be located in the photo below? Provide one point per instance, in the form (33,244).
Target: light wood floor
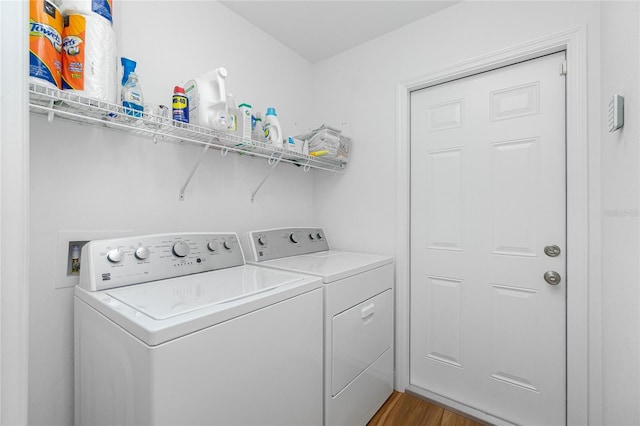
(404,409)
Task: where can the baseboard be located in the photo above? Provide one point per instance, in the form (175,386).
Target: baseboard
(456,407)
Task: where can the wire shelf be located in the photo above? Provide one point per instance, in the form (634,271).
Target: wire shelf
(45,100)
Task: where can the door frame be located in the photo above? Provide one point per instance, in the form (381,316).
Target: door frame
(14,212)
(574,42)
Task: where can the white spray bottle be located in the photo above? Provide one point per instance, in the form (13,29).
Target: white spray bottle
(208,100)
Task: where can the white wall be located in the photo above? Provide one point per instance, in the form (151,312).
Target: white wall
(621,217)
(101,180)
(87,179)
(359,87)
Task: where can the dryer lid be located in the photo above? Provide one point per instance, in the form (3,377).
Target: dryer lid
(331,265)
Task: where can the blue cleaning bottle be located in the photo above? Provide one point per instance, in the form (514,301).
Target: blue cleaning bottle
(131,94)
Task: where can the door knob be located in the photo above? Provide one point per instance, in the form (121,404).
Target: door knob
(552,277)
(552,250)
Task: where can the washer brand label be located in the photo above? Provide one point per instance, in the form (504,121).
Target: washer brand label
(106,277)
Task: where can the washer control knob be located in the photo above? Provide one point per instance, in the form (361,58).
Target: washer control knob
(312,237)
(211,245)
(293,237)
(226,244)
(115,255)
(142,253)
(319,236)
(181,249)
(262,241)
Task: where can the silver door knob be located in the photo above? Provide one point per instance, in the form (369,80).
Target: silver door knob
(552,277)
(552,250)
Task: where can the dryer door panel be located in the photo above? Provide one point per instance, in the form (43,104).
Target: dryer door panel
(361,334)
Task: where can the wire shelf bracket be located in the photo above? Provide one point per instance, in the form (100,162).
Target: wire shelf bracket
(193,171)
(274,160)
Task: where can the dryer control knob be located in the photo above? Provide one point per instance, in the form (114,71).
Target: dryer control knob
(294,238)
(181,249)
(115,255)
(211,245)
(312,237)
(142,253)
(262,240)
(227,245)
(319,236)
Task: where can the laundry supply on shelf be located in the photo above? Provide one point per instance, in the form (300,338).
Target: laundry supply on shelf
(257,132)
(328,142)
(272,129)
(45,43)
(102,8)
(208,100)
(89,57)
(295,145)
(245,121)
(234,113)
(180,105)
(131,95)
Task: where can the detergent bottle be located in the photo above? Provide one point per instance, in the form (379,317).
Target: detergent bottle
(131,93)
(271,128)
(208,100)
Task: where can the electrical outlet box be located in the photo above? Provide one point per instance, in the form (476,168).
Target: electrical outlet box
(65,274)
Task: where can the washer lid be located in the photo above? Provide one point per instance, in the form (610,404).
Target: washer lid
(160,311)
(331,265)
(176,296)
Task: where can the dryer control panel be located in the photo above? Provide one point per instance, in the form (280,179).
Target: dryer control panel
(284,242)
(134,260)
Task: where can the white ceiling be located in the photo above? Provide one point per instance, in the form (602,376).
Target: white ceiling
(317,30)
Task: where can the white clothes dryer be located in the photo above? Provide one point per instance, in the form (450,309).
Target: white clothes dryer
(175,329)
(358,316)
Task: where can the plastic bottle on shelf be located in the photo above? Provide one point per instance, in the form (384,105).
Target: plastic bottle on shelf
(131,95)
(234,112)
(245,120)
(231,101)
(257,133)
(208,100)
(271,128)
(180,105)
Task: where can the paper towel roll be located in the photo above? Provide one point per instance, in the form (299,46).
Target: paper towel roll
(45,43)
(89,57)
(103,8)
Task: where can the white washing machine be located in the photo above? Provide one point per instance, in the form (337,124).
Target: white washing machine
(175,329)
(358,324)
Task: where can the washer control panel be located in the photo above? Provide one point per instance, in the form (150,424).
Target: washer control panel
(134,260)
(284,242)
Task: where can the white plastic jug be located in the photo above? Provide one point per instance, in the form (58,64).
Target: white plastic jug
(208,100)
(272,129)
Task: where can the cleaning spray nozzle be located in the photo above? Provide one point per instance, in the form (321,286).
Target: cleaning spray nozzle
(128,66)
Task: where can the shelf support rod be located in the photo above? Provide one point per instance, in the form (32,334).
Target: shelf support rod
(51,113)
(274,161)
(193,171)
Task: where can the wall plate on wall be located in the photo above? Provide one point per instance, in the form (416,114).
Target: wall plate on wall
(64,274)
(616,113)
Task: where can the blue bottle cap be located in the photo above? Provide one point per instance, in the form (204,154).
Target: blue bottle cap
(271,111)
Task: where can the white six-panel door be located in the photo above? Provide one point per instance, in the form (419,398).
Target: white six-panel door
(488,194)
